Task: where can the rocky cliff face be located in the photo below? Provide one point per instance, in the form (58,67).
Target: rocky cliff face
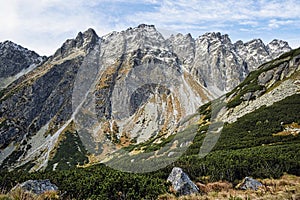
(120,89)
(219,64)
(15,61)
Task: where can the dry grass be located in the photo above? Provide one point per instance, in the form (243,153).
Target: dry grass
(290,129)
(287,187)
(19,194)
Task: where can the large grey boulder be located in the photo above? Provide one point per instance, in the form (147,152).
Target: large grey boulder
(249,183)
(181,182)
(37,186)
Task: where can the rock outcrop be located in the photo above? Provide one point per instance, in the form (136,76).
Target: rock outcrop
(37,186)
(249,184)
(181,182)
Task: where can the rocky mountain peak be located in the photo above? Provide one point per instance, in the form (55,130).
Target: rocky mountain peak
(183,46)
(142,29)
(256,44)
(83,42)
(225,38)
(280,43)
(11,46)
(8,44)
(212,35)
(238,43)
(87,36)
(141,37)
(91,32)
(254,52)
(13,59)
(214,40)
(216,35)
(276,46)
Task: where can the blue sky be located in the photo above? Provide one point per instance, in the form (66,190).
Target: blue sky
(43,25)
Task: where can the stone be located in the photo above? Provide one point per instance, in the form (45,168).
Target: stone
(249,184)
(265,77)
(181,182)
(37,186)
(247,96)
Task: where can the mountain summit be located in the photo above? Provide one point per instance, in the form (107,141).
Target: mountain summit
(15,61)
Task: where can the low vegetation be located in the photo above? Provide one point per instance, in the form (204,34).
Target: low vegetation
(287,187)
(70,153)
(96,182)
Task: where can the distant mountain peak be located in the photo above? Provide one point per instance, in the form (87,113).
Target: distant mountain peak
(276,45)
(11,45)
(15,61)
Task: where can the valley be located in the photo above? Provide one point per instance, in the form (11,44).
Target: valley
(109,117)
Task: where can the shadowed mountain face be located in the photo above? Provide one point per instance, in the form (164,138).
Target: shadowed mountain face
(112,91)
(15,61)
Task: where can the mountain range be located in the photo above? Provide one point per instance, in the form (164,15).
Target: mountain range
(133,90)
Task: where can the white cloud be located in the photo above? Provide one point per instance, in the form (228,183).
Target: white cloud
(273,23)
(249,22)
(8,16)
(279,9)
(45,24)
(228,10)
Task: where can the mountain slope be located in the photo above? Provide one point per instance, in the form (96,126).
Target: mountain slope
(39,104)
(126,88)
(57,93)
(234,136)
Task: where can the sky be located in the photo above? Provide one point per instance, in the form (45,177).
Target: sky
(43,25)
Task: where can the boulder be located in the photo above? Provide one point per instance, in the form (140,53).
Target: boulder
(181,182)
(249,183)
(265,77)
(37,186)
